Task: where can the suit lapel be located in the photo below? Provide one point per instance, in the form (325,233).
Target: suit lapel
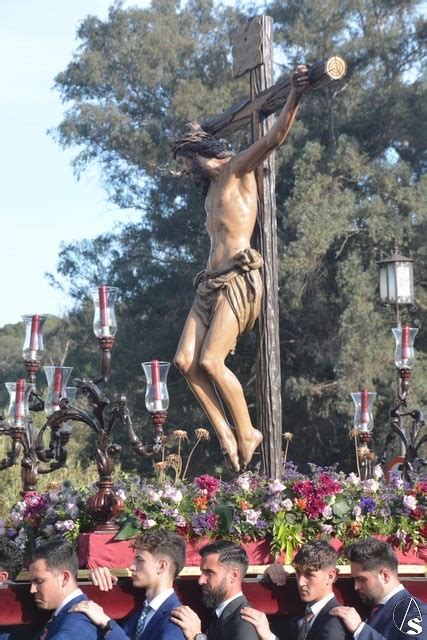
(163,610)
(319,620)
(231,609)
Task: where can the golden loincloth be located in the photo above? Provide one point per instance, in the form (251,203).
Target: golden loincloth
(240,281)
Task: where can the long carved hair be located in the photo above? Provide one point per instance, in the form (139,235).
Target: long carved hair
(196,140)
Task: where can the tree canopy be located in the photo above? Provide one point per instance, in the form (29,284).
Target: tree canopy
(350,184)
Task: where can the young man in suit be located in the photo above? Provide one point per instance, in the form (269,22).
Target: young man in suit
(53,574)
(223,566)
(159,558)
(315,570)
(395,613)
(10,566)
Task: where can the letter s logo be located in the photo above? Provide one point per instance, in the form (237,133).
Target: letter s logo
(407,617)
(415,627)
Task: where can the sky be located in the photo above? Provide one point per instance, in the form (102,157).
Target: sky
(42,202)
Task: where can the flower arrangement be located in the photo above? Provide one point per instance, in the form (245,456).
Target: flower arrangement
(59,513)
(288,511)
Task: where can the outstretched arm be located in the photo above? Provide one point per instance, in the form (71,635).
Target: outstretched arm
(247,161)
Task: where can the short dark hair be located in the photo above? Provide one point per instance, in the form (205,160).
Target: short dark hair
(163,542)
(372,554)
(58,555)
(229,554)
(315,555)
(11,557)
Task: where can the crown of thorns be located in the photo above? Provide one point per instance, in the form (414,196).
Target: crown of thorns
(195,139)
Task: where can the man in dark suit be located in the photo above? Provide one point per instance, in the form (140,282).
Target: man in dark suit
(10,566)
(223,566)
(395,613)
(315,570)
(159,558)
(53,574)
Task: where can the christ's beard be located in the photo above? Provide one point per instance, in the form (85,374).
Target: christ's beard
(201,174)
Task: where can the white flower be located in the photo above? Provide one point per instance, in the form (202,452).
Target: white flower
(276,486)
(180,521)
(357,511)
(69,525)
(352,478)
(327,528)
(173,494)
(121,494)
(153,495)
(371,485)
(287,504)
(148,524)
(378,472)
(252,515)
(327,512)
(244,483)
(410,502)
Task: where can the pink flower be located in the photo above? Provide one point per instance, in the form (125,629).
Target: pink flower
(208,484)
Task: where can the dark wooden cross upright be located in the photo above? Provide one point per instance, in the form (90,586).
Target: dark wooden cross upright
(252,52)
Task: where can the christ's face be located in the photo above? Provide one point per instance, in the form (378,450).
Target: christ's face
(196,167)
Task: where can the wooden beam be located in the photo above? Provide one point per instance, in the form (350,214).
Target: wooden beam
(273,98)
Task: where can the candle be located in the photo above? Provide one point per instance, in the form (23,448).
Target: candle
(364,407)
(155,381)
(405,342)
(57,385)
(34,337)
(19,398)
(103,309)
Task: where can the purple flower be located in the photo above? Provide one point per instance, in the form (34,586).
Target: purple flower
(368,505)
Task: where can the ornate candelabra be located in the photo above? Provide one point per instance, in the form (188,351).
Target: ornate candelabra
(407,424)
(61,413)
(397,292)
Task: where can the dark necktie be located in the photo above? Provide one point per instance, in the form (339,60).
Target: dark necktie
(374,611)
(306,621)
(45,631)
(141,621)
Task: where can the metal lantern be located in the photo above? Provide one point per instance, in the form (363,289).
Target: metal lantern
(396,280)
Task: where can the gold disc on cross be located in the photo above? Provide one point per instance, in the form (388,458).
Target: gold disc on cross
(336,67)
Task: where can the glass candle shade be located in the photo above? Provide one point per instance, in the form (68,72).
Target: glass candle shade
(104,320)
(19,393)
(363,418)
(70,394)
(156,394)
(404,355)
(57,378)
(33,341)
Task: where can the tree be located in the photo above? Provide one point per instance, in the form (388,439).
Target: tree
(350,182)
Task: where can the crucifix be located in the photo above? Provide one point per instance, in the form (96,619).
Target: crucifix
(240,190)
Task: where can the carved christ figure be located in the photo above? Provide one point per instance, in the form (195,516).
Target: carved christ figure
(228,292)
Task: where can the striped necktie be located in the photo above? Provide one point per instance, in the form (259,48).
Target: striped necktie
(141,621)
(306,621)
(45,631)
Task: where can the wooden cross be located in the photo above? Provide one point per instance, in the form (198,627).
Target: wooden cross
(252,52)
